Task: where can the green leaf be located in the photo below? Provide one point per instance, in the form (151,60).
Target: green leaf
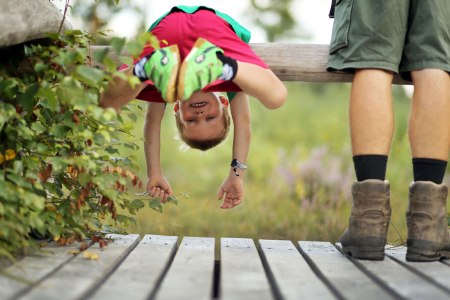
(6,87)
(100,54)
(156,205)
(137,204)
(71,91)
(88,75)
(48,99)
(40,67)
(112,150)
(37,127)
(117,44)
(173,200)
(60,130)
(27,99)
(42,148)
(84,178)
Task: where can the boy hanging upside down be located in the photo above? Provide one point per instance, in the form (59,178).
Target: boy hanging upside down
(207,53)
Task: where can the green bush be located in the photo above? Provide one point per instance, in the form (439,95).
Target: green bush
(61,170)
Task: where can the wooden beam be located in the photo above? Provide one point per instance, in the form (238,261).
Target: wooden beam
(296,62)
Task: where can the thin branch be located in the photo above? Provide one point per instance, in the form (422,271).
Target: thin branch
(66,6)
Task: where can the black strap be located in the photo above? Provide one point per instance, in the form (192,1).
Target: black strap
(333,4)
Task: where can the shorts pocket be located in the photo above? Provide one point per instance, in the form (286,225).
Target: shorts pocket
(341,25)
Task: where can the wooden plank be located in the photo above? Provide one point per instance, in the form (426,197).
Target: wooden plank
(141,272)
(15,279)
(78,278)
(242,274)
(346,280)
(293,276)
(191,273)
(293,62)
(436,271)
(402,281)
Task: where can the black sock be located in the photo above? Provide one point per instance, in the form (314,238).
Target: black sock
(229,66)
(370,167)
(427,169)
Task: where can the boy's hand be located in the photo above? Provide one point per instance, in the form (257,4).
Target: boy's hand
(159,187)
(231,191)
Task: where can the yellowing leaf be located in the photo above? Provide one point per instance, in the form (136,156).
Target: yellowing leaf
(10,154)
(74,251)
(90,255)
(2,159)
(50,206)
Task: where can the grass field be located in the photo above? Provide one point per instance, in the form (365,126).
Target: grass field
(299,177)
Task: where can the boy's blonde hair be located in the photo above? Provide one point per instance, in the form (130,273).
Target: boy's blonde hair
(209,143)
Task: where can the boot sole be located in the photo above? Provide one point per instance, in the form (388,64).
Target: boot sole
(184,65)
(412,255)
(171,90)
(366,253)
(423,250)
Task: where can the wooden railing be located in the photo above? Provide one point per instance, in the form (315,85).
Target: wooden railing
(297,62)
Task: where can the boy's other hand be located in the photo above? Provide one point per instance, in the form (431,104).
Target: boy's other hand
(159,187)
(231,191)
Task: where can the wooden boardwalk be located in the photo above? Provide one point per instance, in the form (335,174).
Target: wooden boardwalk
(164,267)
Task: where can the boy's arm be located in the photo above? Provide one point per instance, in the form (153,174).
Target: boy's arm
(119,92)
(157,185)
(232,190)
(262,84)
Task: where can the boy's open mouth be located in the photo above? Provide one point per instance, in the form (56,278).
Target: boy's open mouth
(198,104)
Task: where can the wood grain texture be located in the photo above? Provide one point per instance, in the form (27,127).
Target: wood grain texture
(436,271)
(139,274)
(293,276)
(341,274)
(242,273)
(78,278)
(191,274)
(32,268)
(400,280)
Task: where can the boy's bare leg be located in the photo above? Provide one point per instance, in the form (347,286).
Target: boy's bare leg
(119,92)
(429,125)
(371,113)
(261,83)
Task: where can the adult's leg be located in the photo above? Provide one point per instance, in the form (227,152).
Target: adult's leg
(371,122)
(429,126)
(371,127)
(368,37)
(429,133)
(371,114)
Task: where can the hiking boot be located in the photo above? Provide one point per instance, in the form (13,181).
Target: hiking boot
(162,68)
(365,237)
(200,68)
(426,217)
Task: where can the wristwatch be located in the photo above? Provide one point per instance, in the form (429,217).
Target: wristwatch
(236,164)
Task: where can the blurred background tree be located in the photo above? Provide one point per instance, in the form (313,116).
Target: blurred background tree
(276,19)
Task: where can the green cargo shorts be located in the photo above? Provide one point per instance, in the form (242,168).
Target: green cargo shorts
(395,35)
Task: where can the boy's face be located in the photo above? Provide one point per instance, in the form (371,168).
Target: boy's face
(202,115)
